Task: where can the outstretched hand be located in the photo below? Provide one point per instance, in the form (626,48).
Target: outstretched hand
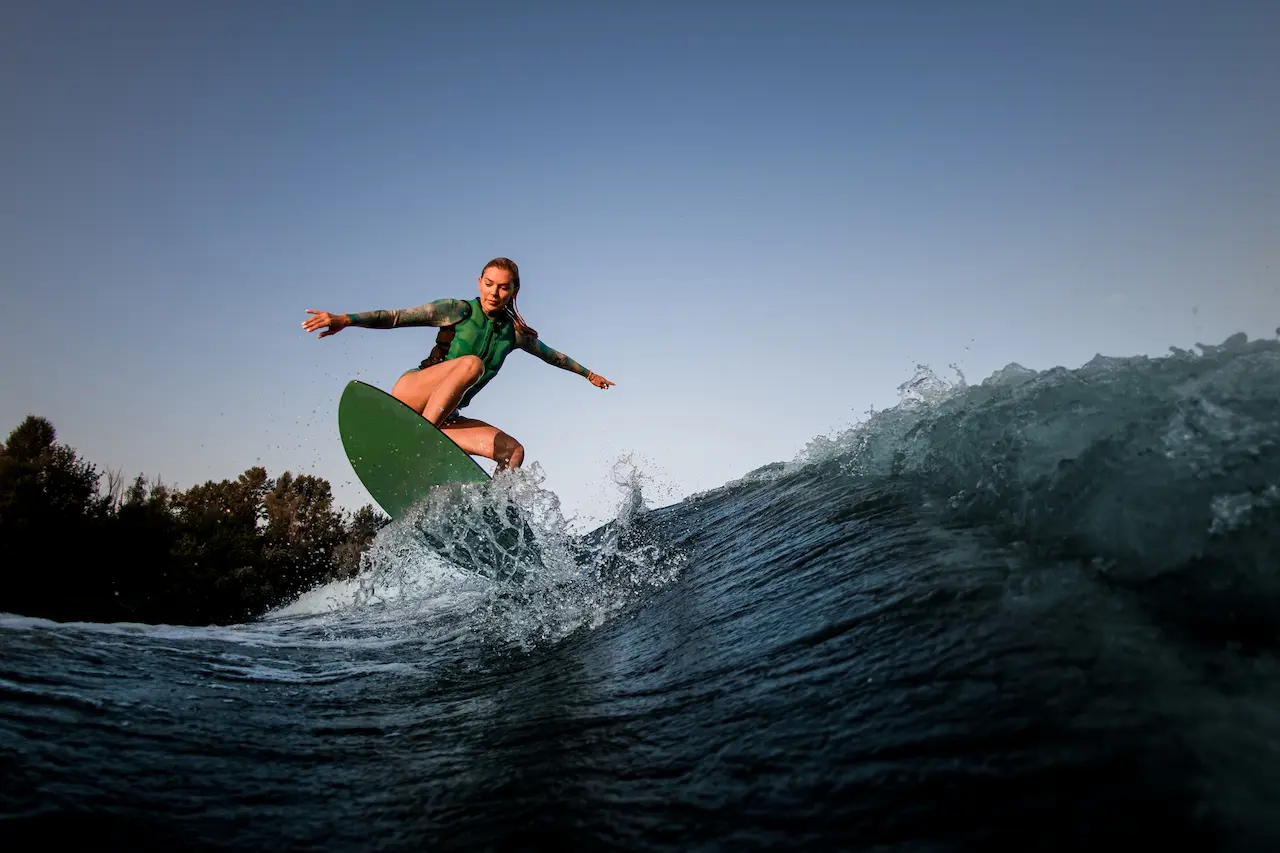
(599,381)
(331,323)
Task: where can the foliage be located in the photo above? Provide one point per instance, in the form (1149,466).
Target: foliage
(217,553)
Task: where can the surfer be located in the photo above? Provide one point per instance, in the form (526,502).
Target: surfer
(475,337)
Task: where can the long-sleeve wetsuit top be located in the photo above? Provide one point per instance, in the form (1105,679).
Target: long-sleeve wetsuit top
(450,312)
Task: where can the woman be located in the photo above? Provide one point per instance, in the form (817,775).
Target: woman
(476,337)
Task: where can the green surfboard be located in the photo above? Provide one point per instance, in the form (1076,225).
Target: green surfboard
(396,452)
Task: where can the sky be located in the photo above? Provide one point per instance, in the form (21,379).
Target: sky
(756,218)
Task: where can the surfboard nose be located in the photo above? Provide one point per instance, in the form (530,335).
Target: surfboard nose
(396,453)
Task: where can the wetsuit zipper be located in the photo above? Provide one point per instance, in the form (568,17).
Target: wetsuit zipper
(488,340)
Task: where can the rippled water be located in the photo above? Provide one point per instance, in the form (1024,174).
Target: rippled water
(1041,611)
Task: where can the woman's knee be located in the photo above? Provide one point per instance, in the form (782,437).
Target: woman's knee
(470,365)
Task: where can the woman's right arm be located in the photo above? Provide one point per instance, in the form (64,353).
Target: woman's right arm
(442,312)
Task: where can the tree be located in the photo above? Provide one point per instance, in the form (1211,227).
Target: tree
(30,439)
(302,529)
(362,527)
(48,499)
(218,552)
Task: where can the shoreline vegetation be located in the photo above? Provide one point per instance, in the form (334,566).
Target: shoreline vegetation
(79,545)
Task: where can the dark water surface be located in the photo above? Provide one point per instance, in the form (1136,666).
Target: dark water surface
(1040,612)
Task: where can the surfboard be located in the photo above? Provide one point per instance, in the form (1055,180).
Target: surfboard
(396,452)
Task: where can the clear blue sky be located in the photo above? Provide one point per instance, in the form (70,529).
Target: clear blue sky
(756,218)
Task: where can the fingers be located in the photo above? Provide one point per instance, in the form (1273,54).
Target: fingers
(321,320)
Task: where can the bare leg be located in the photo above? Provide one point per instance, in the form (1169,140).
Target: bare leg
(435,391)
(481,439)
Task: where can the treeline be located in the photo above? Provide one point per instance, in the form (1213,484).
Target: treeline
(79,545)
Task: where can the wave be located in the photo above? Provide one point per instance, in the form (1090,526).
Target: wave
(1046,600)
(1142,472)
(500,557)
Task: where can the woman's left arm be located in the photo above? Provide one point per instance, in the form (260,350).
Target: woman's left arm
(534,346)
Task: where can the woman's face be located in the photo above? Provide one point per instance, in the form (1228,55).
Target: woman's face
(496,290)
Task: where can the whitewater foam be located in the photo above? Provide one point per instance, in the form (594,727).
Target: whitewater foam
(499,557)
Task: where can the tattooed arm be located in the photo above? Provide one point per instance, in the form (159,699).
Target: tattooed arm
(534,346)
(442,312)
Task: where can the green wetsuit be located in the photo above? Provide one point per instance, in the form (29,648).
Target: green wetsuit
(467,330)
